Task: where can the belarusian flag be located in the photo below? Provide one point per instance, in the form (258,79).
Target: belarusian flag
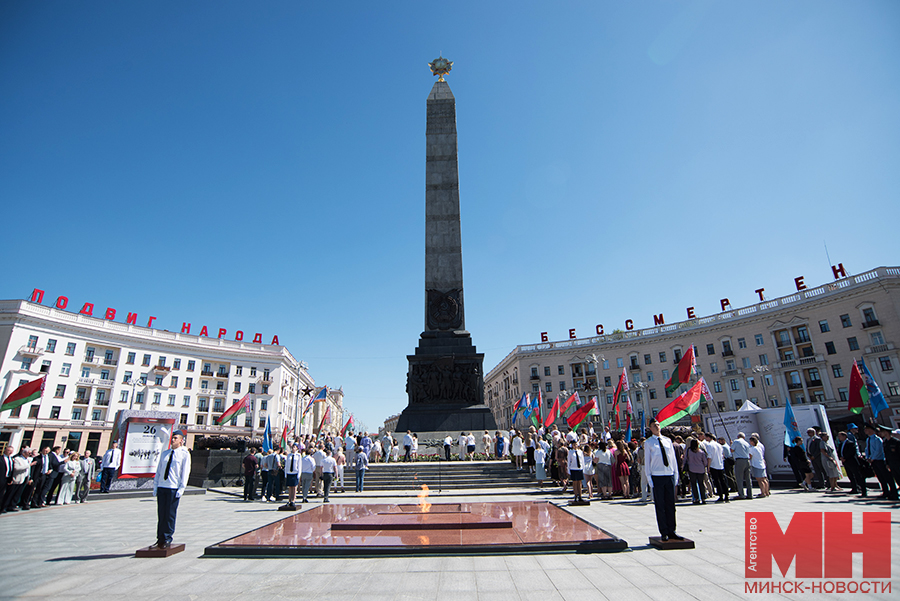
(325,418)
(349,421)
(235,410)
(572,399)
(682,375)
(284,440)
(621,387)
(684,404)
(27,392)
(859,395)
(536,407)
(583,412)
(551,417)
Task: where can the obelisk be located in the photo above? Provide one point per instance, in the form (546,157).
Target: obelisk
(445,381)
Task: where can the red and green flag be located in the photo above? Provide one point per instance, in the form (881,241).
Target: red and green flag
(27,392)
(551,416)
(284,438)
(687,403)
(621,388)
(572,399)
(235,410)
(349,422)
(325,418)
(682,375)
(582,413)
(859,395)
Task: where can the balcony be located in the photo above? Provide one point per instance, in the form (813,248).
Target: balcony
(733,372)
(795,386)
(30,351)
(728,353)
(802,339)
(535,378)
(206,374)
(218,392)
(264,380)
(634,367)
(879,348)
(102,403)
(162,369)
(814,383)
(112,362)
(90,360)
(82,401)
(870,324)
(221,374)
(203,407)
(782,343)
(803,361)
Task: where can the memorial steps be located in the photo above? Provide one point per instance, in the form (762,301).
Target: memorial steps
(446,475)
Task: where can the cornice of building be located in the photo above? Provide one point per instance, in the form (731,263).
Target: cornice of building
(766,310)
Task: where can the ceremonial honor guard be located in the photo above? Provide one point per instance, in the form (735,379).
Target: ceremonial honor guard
(662,468)
(171,479)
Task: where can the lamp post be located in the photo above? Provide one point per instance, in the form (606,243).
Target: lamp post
(133,384)
(644,388)
(762,370)
(594,359)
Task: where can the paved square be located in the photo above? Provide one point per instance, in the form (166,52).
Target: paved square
(86,552)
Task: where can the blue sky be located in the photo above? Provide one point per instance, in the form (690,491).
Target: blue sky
(260,166)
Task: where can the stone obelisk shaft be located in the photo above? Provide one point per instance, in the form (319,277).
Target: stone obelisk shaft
(443,246)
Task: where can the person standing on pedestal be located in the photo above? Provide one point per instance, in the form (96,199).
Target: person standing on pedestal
(112,459)
(172,474)
(662,468)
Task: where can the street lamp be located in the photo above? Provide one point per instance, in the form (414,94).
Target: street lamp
(133,383)
(644,387)
(762,370)
(594,359)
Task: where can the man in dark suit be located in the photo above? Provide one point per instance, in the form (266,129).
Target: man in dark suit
(850,458)
(6,473)
(54,478)
(41,485)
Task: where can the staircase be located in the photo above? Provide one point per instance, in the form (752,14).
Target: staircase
(452,475)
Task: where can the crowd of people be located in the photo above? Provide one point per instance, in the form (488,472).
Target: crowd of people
(35,478)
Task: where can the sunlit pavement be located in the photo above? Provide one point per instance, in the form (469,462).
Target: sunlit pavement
(86,552)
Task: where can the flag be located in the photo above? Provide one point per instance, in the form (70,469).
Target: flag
(791,430)
(621,386)
(627,427)
(858,392)
(325,418)
(684,404)
(284,438)
(235,410)
(537,406)
(582,413)
(551,417)
(686,367)
(518,405)
(317,398)
(526,406)
(27,392)
(349,421)
(267,437)
(572,399)
(876,399)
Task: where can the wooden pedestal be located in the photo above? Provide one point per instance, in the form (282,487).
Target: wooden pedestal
(155,551)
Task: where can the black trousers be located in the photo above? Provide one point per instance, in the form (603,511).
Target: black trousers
(888,488)
(819,478)
(52,486)
(664,501)
(106,478)
(857,480)
(447,452)
(166,511)
(718,478)
(250,487)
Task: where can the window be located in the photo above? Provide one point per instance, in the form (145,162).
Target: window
(173,383)
(665,375)
(562,385)
(549,387)
(829,348)
(85,372)
(252,372)
(763,359)
(237,386)
(560,370)
(636,378)
(54,412)
(207,368)
(605,364)
(877,338)
(220,385)
(609,399)
(201,420)
(60,390)
(710,349)
(186,401)
(95,414)
(162,361)
(45,367)
(188,383)
(735,385)
(649,376)
(845,321)
(751,383)
(66,368)
(176,364)
(204,404)
(264,404)
(746,362)
(652,394)
(204,384)
(139,398)
(869,316)
(76,413)
(265,389)
(89,353)
(51,345)
(251,388)
(32,341)
(158,380)
(823,326)
(123,396)
(773,402)
(885,364)
(171,400)
(726,348)
(620,363)
(70,348)
(546,370)
(146,360)
(217,405)
(223,370)
(238,370)
(893,389)
(854,345)
(104,374)
(157,397)
(130,359)
(662,357)
(742,343)
(717,386)
(647,360)
(843,394)
(836,371)
(713,368)
(760,341)
(677,353)
(184,419)
(729,365)
(26,364)
(191,365)
(607,381)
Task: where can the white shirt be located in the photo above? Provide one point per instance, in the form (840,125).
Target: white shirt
(740,448)
(112,458)
(179,471)
(350,443)
(308,465)
(539,456)
(328,465)
(319,457)
(448,441)
(462,440)
(571,436)
(576,460)
(470,440)
(292,464)
(653,458)
(716,455)
(407,440)
(758,456)
(602,457)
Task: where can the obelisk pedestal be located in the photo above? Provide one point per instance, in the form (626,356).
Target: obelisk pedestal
(445,381)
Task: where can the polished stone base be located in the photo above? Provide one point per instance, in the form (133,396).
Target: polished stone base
(379,530)
(659,543)
(155,551)
(447,418)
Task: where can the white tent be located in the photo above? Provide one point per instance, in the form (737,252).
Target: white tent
(748,406)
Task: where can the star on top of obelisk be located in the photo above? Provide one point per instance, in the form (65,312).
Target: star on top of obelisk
(440,66)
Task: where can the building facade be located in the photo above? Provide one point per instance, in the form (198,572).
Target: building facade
(800,347)
(96,367)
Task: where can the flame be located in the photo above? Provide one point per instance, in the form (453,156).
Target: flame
(424,505)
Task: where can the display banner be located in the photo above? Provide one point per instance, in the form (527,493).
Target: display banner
(145,440)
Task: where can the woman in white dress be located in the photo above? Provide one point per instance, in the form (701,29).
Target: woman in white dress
(70,475)
(518,450)
(540,471)
(414,452)
(758,465)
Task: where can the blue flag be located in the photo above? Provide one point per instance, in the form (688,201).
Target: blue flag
(791,430)
(526,404)
(876,399)
(267,437)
